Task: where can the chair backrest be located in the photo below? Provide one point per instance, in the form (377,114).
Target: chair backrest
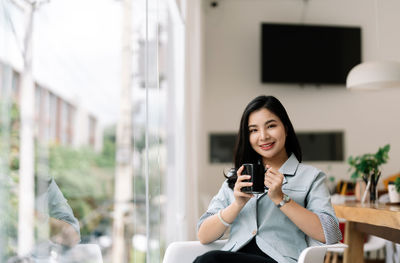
(313,254)
(316,254)
(187,251)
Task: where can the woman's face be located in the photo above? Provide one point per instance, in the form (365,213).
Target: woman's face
(267,135)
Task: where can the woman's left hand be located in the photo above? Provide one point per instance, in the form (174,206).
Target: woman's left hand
(273,179)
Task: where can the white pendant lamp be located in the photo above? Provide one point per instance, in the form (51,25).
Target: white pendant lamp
(374,75)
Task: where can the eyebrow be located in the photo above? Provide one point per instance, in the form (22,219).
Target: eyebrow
(266,123)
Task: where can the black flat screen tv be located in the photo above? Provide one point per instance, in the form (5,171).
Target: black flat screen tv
(308,54)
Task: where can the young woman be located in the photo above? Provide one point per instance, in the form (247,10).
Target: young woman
(274,226)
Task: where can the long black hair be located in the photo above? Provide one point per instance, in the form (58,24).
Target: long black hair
(243,152)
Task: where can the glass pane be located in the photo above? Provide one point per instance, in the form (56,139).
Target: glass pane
(8,165)
(156,123)
(79,69)
(9,116)
(139,217)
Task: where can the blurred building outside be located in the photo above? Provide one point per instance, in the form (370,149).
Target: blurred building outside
(76,67)
(64,122)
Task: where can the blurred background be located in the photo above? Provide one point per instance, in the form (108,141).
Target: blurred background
(119,116)
(84,92)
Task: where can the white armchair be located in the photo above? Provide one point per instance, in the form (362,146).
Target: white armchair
(187,251)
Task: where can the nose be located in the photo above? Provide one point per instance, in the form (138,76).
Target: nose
(264,134)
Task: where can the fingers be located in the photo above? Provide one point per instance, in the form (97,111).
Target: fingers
(273,178)
(245,195)
(239,186)
(239,171)
(272,173)
(240,183)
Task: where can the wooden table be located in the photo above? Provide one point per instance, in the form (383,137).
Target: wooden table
(380,220)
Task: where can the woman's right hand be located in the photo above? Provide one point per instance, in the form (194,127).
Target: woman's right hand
(240,197)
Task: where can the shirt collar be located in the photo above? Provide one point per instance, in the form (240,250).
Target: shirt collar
(290,166)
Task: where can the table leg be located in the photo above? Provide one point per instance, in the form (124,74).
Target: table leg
(355,240)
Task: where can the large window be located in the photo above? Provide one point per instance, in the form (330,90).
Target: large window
(93,147)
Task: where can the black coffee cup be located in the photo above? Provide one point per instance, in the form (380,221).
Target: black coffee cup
(256,171)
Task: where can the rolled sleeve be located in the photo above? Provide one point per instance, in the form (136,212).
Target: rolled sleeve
(331,229)
(318,201)
(218,202)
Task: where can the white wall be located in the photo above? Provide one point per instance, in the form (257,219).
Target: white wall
(231,79)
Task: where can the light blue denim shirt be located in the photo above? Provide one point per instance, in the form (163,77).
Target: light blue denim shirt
(276,235)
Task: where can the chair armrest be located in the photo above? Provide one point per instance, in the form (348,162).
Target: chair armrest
(338,247)
(187,251)
(317,253)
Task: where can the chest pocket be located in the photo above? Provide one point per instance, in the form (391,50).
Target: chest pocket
(297,192)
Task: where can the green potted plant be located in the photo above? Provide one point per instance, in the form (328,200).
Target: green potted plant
(367,166)
(394,190)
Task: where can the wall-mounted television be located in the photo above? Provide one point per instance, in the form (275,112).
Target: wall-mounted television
(322,146)
(308,54)
(222,146)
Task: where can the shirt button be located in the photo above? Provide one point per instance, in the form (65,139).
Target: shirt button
(254,232)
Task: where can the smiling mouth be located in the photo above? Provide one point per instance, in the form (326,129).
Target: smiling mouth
(267,146)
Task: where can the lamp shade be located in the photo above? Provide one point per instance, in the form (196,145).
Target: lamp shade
(374,75)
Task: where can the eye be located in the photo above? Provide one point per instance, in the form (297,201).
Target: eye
(252,130)
(271,126)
